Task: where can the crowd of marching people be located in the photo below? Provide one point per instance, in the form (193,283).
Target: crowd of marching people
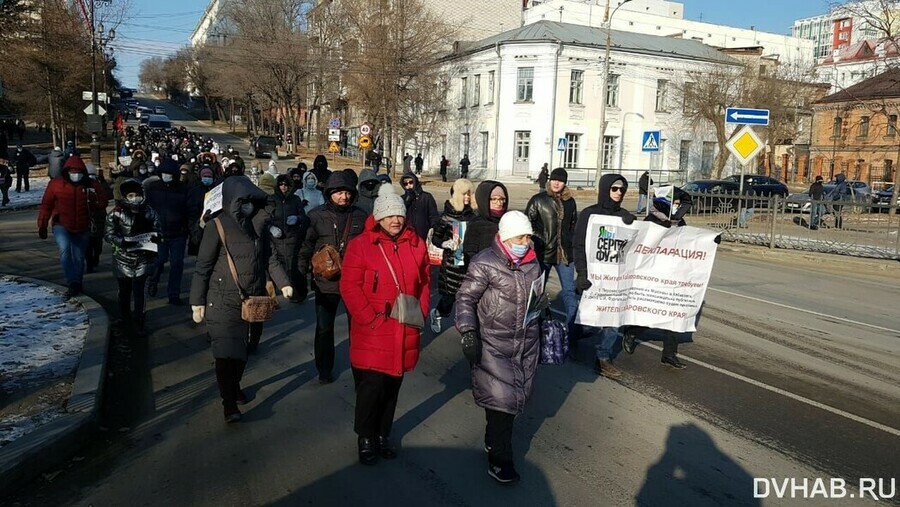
(346,238)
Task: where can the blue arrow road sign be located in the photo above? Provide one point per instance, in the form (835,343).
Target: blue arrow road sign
(747,116)
(650,141)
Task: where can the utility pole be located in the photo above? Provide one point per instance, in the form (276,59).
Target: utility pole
(95,142)
(604,91)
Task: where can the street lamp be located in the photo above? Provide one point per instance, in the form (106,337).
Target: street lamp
(97,41)
(604,94)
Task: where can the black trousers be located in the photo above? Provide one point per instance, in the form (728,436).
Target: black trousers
(670,344)
(128,288)
(498,436)
(228,376)
(445,305)
(5,191)
(326,312)
(94,249)
(254,333)
(20,176)
(376,402)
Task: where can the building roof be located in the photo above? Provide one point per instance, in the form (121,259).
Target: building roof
(862,51)
(580,35)
(882,86)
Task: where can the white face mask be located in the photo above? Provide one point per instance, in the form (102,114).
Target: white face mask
(135,200)
(167,178)
(292,220)
(76,177)
(247,209)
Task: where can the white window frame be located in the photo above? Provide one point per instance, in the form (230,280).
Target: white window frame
(576,87)
(463,91)
(522,145)
(612,90)
(490,97)
(570,156)
(525,84)
(662,92)
(476,90)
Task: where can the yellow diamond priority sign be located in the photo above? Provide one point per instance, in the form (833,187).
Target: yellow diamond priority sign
(745,145)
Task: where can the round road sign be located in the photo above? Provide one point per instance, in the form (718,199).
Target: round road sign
(365,142)
(365,129)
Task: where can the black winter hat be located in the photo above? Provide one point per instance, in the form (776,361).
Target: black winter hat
(559,174)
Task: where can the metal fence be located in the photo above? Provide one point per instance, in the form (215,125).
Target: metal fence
(834,227)
(584,177)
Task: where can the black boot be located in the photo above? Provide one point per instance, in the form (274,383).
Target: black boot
(368,451)
(385,448)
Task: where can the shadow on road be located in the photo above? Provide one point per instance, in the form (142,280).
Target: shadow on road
(682,474)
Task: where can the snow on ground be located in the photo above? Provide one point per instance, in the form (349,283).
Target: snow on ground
(37,185)
(41,338)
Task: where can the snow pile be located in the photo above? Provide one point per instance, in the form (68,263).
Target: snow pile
(41,338)
(33,197)
(41,333)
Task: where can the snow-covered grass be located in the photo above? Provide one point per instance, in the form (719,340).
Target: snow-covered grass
(37,185)
(41,338)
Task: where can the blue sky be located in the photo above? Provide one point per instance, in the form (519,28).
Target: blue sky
(160,27)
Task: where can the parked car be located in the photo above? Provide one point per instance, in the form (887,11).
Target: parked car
(710,195)
(860,193)
(159,110)
(263,146)
(159,121)
(142,111)
(761,185)
(882,199)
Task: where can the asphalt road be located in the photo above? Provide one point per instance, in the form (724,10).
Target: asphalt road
(794,373)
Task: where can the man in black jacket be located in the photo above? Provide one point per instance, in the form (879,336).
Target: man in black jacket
(169,198)
(610,194)
(421,209)
(553,215)
(334,223)
(817,209)
(24,159)
(643,190)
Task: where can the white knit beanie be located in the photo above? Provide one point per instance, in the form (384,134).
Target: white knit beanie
(514,223)
(388,203)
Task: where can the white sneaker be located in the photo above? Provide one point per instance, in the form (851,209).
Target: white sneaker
(435,321)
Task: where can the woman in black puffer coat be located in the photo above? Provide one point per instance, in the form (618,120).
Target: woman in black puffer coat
(492,201)
(290,223)
(131,217)
(490,314)
(214,295)
(461,207)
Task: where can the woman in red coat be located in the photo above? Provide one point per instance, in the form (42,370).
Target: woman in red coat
(381,348)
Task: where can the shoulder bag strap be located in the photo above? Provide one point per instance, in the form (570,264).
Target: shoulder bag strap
(228,256)
(346,234)
(393,274)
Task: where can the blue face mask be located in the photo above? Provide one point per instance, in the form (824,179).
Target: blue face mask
(519,250)
(206,180)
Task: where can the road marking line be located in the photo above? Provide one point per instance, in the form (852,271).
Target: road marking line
(811,312)
(776,390)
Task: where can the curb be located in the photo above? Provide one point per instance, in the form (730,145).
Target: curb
(53,443)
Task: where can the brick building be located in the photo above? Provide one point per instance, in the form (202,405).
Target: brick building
(855,131)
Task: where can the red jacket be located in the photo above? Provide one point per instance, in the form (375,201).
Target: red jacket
(70,204)
(378,342)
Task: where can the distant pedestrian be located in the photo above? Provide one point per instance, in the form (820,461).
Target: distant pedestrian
(817,208)
(368,190)
(320,169)
(5,181)
(445,164)
(4,144)
(543,177)
(841,193)
(382,348)
(421,209)
(309,193)
(407,163)
(98,223)
(502,347)
(55,162)
(66,207)
(131,217)
(464,166)
(420,163)
(376,161)
(216,294)
(644,184)
(23,162)
(289,223)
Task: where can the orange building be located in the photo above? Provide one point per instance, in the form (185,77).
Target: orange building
(855,131)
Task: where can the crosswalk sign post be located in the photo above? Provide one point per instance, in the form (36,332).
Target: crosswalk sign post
(562,144)
(650,141)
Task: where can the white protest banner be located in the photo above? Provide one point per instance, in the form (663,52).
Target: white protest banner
(143,242)
(212,201)
(125,161)
(644,274)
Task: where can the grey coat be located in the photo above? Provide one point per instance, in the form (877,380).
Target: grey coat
(492,301)
(213,285)
(128,221)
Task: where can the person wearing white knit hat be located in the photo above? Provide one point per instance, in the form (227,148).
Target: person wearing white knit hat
(388,204)
(514,224)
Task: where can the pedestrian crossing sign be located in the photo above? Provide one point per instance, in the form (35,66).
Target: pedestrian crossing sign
(650,141)
(562,144)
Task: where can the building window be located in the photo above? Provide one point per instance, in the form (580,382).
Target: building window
(684,156)
(576,87)
(836,127)
(525,88)
(609,151)
(464,143)
(661,92)
(864,126)
(490,86)
(484,149)
(892,125)
(571,156)
(476,91)
(706,158)
(612,91)
(523,145)
(463,91)
(689,97)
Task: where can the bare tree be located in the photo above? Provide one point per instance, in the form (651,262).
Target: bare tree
(881,17)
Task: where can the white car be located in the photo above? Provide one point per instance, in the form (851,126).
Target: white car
(159,110)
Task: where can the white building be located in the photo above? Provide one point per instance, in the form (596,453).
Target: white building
(858,62)
(213,26)
(664,18)
(515,95)
(838,29)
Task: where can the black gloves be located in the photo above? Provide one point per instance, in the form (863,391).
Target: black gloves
(42,233)
(718,239)
(471,346)
(155,239)
(628,219)
(582,284)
